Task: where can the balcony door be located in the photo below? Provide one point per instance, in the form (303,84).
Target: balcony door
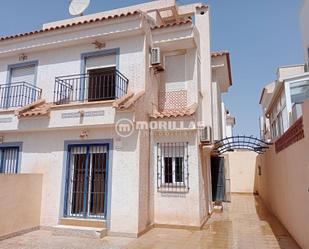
(86,189)
(101,71)
(102,84)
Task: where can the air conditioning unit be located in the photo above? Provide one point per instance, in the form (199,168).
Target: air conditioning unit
(206,135)
(157,60)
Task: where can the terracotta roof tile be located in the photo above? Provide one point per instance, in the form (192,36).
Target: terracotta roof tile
(182,112)
(127,100)
(70,25)
(38,108)
(202,6)
(172,24)
(117,103)
(219,53)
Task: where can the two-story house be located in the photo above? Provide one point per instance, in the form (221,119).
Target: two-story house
(65,89)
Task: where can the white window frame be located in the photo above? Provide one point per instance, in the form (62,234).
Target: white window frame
(174,151)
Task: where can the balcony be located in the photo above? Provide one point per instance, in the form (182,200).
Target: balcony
(19,94)
(96,85)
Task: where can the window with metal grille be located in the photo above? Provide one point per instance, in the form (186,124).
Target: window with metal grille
(172,167)
(9,160)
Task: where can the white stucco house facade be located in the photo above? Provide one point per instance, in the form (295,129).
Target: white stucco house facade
(67,89)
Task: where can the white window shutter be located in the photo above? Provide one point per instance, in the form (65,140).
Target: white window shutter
(101,62)
(23,74)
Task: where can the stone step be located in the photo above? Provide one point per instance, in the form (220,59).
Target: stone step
(83,222)
(218,209)
(78,231)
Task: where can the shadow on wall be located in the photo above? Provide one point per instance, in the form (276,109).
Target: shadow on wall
(273,226)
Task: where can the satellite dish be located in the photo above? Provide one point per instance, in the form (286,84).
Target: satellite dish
(77,7)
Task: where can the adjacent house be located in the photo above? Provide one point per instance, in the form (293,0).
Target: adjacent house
(65,91)
(281,100)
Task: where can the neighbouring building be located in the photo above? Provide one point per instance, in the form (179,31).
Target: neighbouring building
(223,122)
(281,100)
(76,99)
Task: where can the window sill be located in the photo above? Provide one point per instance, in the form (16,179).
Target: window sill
(173,188)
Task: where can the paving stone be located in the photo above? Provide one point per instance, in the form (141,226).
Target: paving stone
(244,223)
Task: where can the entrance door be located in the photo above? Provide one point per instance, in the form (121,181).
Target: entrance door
(218,178)
(87,181)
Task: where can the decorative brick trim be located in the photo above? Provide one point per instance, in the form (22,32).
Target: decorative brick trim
(294,134)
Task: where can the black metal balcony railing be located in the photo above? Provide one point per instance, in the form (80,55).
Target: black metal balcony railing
(18,94)
(105,85)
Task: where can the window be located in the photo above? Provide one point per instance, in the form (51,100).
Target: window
(173,89)
(172,167)
(299,91)
(102,84)
(102,77)
(9,160)
(23,74)
(278,117)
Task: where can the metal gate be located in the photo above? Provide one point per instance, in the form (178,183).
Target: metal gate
(86,183)
(9,160)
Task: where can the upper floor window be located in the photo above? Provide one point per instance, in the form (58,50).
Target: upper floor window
(299,91)
(100,80)
(102,77)
(173,174)
(23,74)
(173,93)
(279,117)
(21,89)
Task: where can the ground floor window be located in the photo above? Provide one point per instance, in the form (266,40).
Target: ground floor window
(172,166)
(86,188)
(9,160)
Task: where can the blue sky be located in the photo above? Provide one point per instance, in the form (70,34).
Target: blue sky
(261,35)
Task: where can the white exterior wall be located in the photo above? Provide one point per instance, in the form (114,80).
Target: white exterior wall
(202,24)
(217,111)
(177,208)
(67,61)
(43,152)
(229,130)
(223,120)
